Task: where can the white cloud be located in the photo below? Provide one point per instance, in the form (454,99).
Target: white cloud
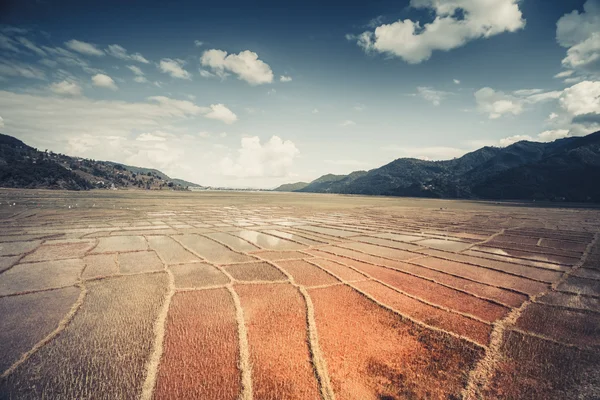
(426,153)
(88,49)
(582,98)
(284,78)
(1,122)
(204,135)
(245,65)
(221,113)
(151,137)
(255,159)
(456,81)
(119,52)
(415,43)
(551,135)
(104,81)
(19,69)
(315,111)
(139,74)
(198,43)
(70,59)
(514,139)
(432,95)
(552,116)
(496,104)
(31,46)
(174,68)
(347,122)
(7,43)
(66,88)
(546,136)
(580,34)
(564,74)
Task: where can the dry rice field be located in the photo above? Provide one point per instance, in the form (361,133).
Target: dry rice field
(238,295)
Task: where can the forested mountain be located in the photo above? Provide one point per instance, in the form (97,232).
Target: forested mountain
(567,169)
(22,166)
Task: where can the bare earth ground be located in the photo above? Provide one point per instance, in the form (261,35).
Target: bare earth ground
(224,295)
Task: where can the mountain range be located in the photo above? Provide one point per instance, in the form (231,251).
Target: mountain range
(567,169)
(22,166)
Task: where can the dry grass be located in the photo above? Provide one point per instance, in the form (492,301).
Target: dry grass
(255,271)
(102,351)
(305,273)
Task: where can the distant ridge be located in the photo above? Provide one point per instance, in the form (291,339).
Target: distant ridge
(22,166)
(564,170)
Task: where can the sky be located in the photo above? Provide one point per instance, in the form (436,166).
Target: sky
(256,94)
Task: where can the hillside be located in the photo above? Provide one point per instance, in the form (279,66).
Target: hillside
(291,187)
(565,170)
(22,166)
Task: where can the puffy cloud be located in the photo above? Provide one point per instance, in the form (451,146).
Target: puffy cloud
(221,113)
(551,135)
(496,104)
(284,78)
(415,43)
(564,74)
(119,52)
(245,65)
(582,98)
(66,88)
(19,69)
(174,68)
(255,159)
(88,49)
(432,95)
(514,139)
(580,34)
(104,81)
(456,81)
(198,43)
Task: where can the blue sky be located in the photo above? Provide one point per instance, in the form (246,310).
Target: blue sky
(262,93)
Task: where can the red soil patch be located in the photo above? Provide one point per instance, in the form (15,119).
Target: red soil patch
(275,317)
(576,327)
(304,273)
(474,330)
(372,353)
(355,255)
(379,251)
(280,255)
(386,242)
(483,290)
(343,272)
(436,294)
(201,348)
(484,275)
(258,271)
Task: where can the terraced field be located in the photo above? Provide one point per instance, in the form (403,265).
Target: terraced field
(107,295)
